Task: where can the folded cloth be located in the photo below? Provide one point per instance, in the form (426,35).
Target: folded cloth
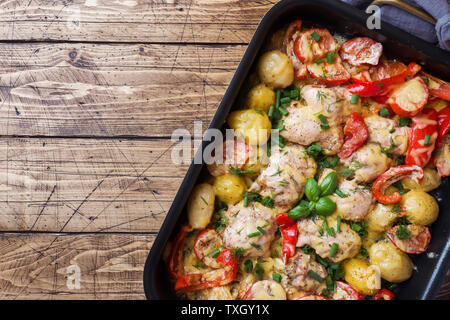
(439,9)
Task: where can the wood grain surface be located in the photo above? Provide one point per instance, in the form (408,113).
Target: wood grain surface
(90,93)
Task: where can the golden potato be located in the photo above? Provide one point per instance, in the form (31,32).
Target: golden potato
(260,97)
(359,274)
(420,207)
(275,69)
(431,180)
(250,124)
(229,188)
(201,206)
(380,217)
(395,265)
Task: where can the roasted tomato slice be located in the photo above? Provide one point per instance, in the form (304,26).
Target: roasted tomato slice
(313,44)
(384,294)
(313,297)
(344,291)
(294,27)
(292,32)
(410,98)
(206,243)
(361,50)
(412,239)
(329,74)
(235,154)
(265,290)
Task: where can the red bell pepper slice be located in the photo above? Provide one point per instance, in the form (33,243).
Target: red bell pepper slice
(196,281)
(289,234)
(364,89)
(438,88)
(423,138)
(386,75)
(356,133)
(384,294)
(284,221)
(175,264)
(391,176)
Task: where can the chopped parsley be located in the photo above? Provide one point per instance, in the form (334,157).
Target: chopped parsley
(315,36)
(403,232)
(345,173)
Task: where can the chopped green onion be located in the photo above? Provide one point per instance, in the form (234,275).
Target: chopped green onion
(333,250)
(340,193)
(283,111)
(259,271)
(271,110)
(248,266)
(322,118)
(315,36)
(404,122)
(294,93)
(261,230)
(277,99)
(325,126)
(330,57)
(254,234)
(256,246)
(338,224)
(215,253)
(381,85)
(315,276)
(354,99)
(276,277)
(426,141)
(384,112)
(319,61)
(285,100)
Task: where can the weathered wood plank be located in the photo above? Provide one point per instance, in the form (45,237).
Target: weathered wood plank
(111,90)
(86,185)
(35,266)
(137,20)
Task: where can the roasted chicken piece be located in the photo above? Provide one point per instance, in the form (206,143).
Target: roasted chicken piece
(367,163)
(244,229)
(316,233)
(285,177)
(298,282)
(388,134)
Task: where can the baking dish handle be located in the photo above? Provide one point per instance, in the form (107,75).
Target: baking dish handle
(408,8)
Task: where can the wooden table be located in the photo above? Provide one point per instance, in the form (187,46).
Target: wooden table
(91,91)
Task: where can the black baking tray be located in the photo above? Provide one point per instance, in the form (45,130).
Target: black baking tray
(431,267)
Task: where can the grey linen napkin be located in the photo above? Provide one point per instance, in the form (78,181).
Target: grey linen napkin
(439,9)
